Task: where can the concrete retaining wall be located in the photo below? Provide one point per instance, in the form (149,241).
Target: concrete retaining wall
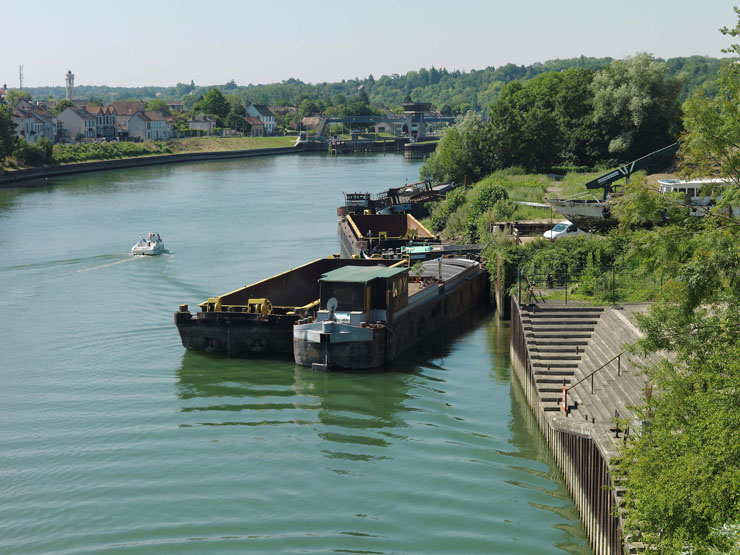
(13,178)
(585,469)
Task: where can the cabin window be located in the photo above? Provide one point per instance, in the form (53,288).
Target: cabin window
(350,296)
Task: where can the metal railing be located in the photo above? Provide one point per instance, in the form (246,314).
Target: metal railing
(618,358)
(556,280)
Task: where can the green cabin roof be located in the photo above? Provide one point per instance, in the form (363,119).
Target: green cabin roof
(361,274)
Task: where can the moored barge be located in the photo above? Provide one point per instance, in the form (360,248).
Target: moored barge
(368,316)
(363,235)
(259,318)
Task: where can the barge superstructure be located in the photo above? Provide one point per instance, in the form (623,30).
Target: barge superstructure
(368,316)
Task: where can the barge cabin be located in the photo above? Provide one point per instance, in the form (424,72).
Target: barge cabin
(368,316)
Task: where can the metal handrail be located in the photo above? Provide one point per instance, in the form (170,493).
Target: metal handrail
(591,375)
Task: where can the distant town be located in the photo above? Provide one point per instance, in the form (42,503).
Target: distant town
(72,120)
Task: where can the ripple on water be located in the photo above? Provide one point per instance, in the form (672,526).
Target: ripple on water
(114,439)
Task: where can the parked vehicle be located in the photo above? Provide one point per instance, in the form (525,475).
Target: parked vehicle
(563,229)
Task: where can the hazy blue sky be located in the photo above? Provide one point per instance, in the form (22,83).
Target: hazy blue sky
(136,42)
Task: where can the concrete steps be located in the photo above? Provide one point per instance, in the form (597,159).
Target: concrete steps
(557,338)
(616,387)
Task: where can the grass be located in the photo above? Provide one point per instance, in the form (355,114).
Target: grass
(214,144)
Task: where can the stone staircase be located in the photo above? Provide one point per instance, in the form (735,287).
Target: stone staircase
(617,387)
(557,338)
(567,343)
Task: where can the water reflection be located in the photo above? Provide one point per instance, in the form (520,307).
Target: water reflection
(352,413)
(543,475)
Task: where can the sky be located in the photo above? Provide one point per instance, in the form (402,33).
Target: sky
(163,42)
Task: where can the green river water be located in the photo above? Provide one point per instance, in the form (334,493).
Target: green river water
(115,439)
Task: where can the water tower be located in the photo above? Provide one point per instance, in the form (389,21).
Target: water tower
(70,80)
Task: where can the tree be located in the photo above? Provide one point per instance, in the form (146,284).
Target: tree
(235,121)
(465,152)
(682,474)
(637,102)
(710,143)
(158,105)
(7,133)
(62,105)
(16,95)
(213,103)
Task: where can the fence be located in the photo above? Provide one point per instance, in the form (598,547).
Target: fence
(605,284)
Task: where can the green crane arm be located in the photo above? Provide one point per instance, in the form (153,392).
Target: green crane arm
(605,181)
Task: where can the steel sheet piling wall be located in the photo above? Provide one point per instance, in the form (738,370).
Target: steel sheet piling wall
(584,469)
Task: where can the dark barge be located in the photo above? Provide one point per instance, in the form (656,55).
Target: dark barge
(259,318)
(411,198)
(368,316)
(364,235)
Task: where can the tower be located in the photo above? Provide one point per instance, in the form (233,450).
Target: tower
(20,77)
(70,84)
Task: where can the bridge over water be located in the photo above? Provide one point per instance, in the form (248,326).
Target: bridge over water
(413,121)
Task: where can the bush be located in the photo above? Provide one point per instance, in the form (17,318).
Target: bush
(64,154)
(486,198)
(38,154)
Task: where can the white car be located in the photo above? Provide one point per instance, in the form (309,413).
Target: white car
(563,229)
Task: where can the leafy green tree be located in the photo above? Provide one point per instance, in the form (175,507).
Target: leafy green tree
(710,143)
(308,108)
(158,105)
(236,104)
(637,100)
(7,133)
(16,95)
(213,103)
(235,121)
(464,153)
(62,105)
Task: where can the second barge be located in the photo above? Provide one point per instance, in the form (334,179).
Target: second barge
(364,235)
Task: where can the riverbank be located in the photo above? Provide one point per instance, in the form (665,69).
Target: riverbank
(13,178)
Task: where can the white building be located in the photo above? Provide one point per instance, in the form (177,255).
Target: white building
(201,122)
(76,120)
(265,116)
(33,121)
(149,126)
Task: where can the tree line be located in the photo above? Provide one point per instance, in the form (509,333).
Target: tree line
(452,92)
(578,118)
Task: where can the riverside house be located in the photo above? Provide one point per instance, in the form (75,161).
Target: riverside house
(76,119)
(105,121)
(125,109)
(33,121)
(202,123)
(257,128)
(150,126)
(265,116)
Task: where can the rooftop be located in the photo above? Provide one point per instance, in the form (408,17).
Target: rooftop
(361,274)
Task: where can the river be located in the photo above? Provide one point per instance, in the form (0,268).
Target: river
(115,439)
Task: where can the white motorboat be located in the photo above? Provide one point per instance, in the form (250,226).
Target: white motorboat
(149,244)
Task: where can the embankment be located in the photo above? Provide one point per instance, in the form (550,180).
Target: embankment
(582,387)
(18,177)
